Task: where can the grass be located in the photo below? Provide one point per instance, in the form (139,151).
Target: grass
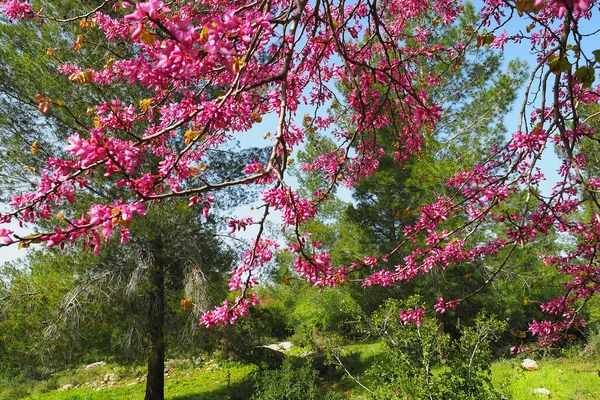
(210,381)
(573,379)
(566,378)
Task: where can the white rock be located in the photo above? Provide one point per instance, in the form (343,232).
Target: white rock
(529,365)
(66,387)
(285,346)
(281,346)
(545,393)
(94,365)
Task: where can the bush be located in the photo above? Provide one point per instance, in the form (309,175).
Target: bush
(11,393)
(421,362)
(591,350)
(295,380)
(332,313)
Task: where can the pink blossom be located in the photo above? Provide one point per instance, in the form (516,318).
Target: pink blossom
(441,306)
(16,9)
(413,316)
(5,236)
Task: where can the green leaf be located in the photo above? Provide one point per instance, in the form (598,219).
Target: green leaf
(585,75)
(559,64)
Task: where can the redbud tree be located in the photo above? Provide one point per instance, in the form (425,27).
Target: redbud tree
(216,68)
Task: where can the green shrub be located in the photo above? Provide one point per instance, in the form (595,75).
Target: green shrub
(421,362)
(46,385)
(316,316)
(295,380)
(11,393)
(591,350)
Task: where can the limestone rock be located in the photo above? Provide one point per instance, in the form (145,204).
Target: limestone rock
(94,365)
(281,346)
(529,365)
(541,392)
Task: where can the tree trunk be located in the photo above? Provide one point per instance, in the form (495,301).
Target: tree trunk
(155,381)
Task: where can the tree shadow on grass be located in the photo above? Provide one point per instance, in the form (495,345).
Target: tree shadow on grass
(237,391)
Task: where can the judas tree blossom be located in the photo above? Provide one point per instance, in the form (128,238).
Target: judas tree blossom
(442,305)
(215,68)
(412,316)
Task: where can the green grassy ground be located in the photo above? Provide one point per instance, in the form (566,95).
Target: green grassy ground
(214,381)
(573,378)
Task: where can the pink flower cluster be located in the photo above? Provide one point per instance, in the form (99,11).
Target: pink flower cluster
(5,238)
(240,224)
(295,209)
(227,313)
(441,306)
(255,168)
(205,201)
(412,316)
(152,9)
(241,279)
(560,7)
(16,9)
(530,142)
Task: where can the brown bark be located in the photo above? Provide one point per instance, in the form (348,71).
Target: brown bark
(155,381)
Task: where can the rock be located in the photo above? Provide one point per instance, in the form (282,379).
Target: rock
(109,378)
(541,392)
(66,387)
(94,365)
(285,346)
(199,360)
(281,346)
(529,365)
